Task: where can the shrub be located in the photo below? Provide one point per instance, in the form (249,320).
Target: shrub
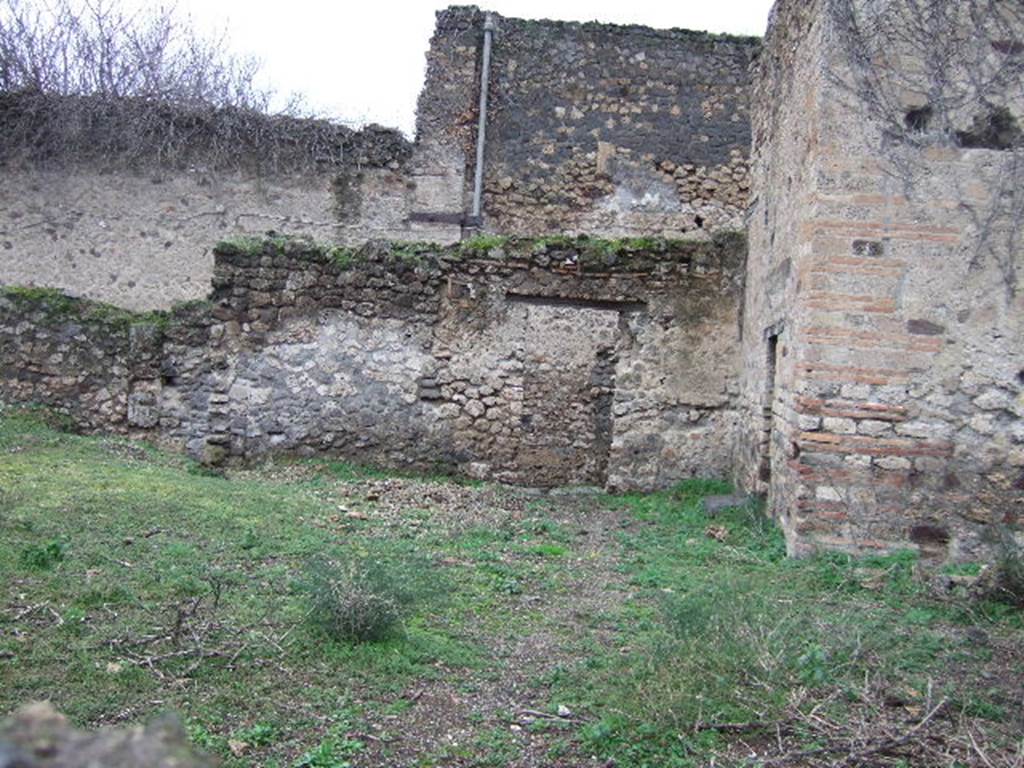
(365,596)
(1007,581)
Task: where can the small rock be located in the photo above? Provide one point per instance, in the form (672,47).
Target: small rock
(716,532)
(37,735)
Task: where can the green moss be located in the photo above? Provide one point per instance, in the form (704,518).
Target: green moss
(51,299)
(244,245)
(342,256)
(413,252)
(60,307)
(482,244)
(192,305)
(593,252)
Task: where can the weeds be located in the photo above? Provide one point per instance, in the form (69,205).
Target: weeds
(1007,581)
(42,557)
(482,245)
(365,596)
(57,306)
(342,256)
(330,753)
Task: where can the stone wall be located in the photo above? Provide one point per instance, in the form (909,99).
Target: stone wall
(595,128)
(103,199)
(883,317)
(143,240)
(869,380)
(544,362)
(74,357)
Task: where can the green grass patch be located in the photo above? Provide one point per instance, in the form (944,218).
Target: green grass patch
(724,629)
(126,579)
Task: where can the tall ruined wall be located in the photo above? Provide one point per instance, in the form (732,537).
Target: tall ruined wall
(786,92)
(884,265)
(547,362)
(592,127)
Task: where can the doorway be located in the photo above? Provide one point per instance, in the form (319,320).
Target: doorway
(569,358)
(768,404)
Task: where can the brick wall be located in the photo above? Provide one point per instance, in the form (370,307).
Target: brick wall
(897,399)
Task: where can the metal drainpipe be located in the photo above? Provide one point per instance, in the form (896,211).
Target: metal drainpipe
(481,129)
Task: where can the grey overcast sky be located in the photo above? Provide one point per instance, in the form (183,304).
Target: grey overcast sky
(363,62)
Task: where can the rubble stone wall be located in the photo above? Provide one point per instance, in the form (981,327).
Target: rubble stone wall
(595,128)
(543,362)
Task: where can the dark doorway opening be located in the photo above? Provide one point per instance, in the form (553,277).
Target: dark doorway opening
(768,408)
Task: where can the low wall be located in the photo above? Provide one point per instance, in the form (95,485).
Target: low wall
(543,362)
(103,198)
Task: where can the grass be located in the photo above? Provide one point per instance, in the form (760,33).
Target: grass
(61,307)
(130,584)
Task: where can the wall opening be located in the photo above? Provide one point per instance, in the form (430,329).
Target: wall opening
(568,388)
(996,129)
(768,409)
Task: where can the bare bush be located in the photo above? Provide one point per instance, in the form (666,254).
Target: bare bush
(96,48)
(85,81)
(366,596)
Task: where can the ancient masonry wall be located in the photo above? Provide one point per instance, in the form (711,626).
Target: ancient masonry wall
(138,232)
(864,368)
(595,128)
(557,362)
(883,338)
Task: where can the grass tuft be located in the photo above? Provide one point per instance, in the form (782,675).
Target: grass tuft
(365,595)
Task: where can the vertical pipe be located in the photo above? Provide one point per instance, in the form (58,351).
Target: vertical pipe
(481,129)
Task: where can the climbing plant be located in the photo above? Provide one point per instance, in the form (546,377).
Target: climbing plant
(940,74)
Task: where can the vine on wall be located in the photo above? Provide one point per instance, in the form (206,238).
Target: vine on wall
(935,73)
